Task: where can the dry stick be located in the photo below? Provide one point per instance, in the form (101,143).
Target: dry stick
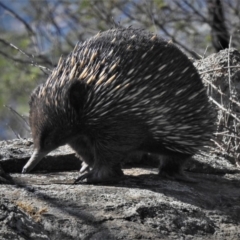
(229,75)
(213,86)
(221,93)
(15,59)
(228,144)
(205,52)
(230,130)
(23,62)
(235,138)
(234,101)
(229,71)
(15,112)
(218,90)
(221,147)
(234,149)
(231,139)
(216,69)
(224,109)
(17,135)
(31,57)
(12,45)
(227,147)
(221,133)
(230,92)
(13,13)
(227,135)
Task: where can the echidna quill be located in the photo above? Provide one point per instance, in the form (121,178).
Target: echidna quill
(121,91)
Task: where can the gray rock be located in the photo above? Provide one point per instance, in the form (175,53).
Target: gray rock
(46,205)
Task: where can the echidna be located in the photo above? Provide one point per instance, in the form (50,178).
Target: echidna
(122,90)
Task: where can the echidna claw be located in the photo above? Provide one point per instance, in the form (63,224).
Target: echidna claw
(84,168)
(100,175)
(82,178)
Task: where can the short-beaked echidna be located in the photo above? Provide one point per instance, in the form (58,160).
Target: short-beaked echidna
(122,90)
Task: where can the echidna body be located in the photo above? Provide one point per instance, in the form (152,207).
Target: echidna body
(121,91)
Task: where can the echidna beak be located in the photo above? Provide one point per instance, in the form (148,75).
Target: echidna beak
(34,160)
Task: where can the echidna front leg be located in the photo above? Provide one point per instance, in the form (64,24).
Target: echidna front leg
(109,147)
(106,168)
(100,174)
(84,151)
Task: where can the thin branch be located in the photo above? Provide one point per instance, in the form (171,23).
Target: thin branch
(198,13)
(42,68)
(16,134)
(16,113)
(11,45)
(227,135)
(28,27)
(224,109)
(31,57)
(216,69)
(229,70)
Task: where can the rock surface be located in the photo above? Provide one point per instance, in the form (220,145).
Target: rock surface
(46,205)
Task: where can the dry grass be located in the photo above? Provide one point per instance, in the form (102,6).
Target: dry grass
(31,210)
(226,102)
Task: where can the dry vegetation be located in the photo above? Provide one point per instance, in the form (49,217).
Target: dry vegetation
(32,211)
(221,76)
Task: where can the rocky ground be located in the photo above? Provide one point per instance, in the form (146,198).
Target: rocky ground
(46,205)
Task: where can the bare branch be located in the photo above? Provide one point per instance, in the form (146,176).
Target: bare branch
(19,116)
(28,27)
(31,62)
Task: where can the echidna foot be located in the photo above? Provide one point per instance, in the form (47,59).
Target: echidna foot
(100,175)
